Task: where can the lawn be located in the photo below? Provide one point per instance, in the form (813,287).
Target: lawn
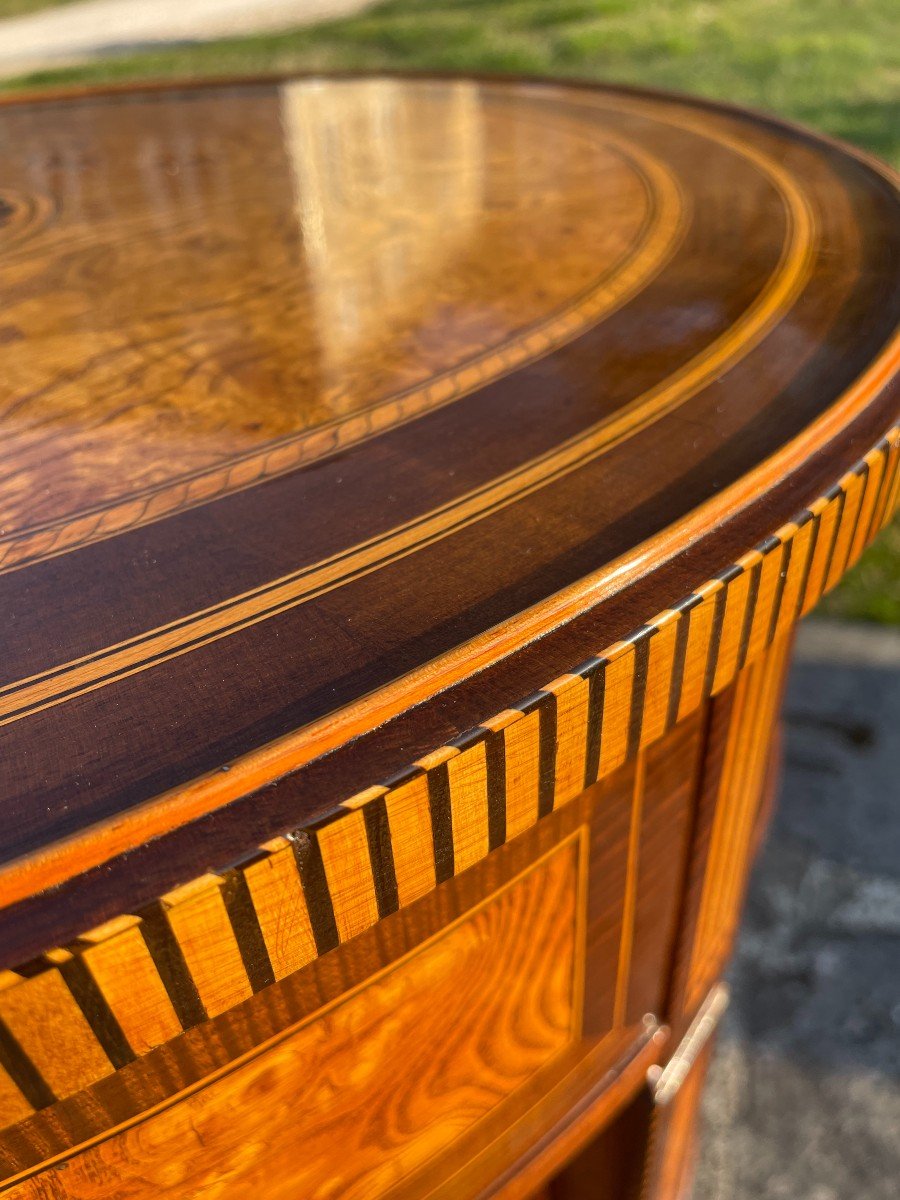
(19,8)
(834,64)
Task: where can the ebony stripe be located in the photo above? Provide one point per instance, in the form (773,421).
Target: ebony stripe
(381,856)
(641,642)
(531,703)
(839,516)
(97,1012)
(172,968)
(715,638)
(545,704)
(729,574)
(890,499)
(308,854)
(471,737)
(879,512)
(715,633)
(547,754)
(749,613)
(868,534)
(441,822)
(863,488)
(807,566)
(683,607)
(596,687)
(786,554)
(402,776)
(852,534)
(495,757)
(23,1072)
(877,506)
(248,935)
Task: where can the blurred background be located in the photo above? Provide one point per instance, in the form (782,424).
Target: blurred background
(804,1096)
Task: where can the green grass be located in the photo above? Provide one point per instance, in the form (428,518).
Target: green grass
(833,64)
(871,591)
(18,8)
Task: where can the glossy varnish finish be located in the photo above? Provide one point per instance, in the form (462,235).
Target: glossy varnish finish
(539,915)
(249,511)
(502,987)
(589,888)
(394,842)
(409,491)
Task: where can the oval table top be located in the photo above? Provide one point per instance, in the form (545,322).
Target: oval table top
(338,415)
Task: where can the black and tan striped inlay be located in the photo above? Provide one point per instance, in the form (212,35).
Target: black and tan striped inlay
(81,1012)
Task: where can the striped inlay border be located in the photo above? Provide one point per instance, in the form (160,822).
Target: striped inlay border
(81,1012)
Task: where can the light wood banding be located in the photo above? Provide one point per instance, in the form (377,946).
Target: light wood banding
(438,822)
(408,492)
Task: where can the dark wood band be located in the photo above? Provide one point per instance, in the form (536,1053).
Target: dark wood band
(219,940)
(222,672)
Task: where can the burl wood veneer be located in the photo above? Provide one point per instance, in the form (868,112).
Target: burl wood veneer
(408,492)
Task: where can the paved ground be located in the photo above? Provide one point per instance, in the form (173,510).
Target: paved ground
(804,1095)
(75,32)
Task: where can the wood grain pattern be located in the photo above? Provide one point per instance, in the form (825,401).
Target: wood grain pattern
(594,1065)
(41,1016)
(500,990)
(390,845)
(279,903)
(360,436)
(383,368)
(578,394)
(740,792)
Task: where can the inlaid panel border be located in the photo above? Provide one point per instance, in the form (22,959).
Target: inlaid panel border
(668,223)
(204,1054)
(82,1011)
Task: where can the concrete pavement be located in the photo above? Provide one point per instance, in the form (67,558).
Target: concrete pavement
(74,33)
(803,1100)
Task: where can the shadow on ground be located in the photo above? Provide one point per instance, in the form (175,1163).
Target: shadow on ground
(803,1100)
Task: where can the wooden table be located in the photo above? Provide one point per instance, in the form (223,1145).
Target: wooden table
(409,490)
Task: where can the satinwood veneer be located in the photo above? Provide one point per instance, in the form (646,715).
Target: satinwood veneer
(409,488)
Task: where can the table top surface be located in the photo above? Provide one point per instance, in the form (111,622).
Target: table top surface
(326,404)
